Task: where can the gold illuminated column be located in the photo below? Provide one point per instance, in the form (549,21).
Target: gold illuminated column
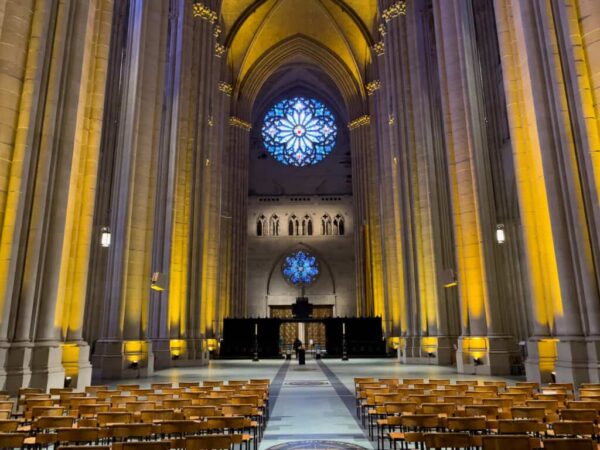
(46,210)
(553,135)
(367,233)
(164,243)
(123,347)
(483,346)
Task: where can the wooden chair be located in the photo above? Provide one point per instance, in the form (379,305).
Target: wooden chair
(587,415)
(506,442)
(93,389)
(121,432)
(526,412)
(521,426)
(584,404)
(127,387)
(107,418)
(198,412)
(575,429)
(8,425)
(159,445)
(159,386)
(209,442)
(180,428)
(490,412)
(77,435)
(12,440)
(415,425)
(568,444)
(447,440)
(156,415)
(441,409)
(84,447)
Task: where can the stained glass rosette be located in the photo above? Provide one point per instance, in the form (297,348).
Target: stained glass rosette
(300,268)
(299,131)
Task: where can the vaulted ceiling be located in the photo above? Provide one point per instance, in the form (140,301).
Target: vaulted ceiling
(310,31)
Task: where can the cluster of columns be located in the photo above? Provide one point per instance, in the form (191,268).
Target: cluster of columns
(53,74)
(112,125)
(467,147)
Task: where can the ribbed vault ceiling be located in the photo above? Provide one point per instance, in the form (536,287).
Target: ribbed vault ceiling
(255,28)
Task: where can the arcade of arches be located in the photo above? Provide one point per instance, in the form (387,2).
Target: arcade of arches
(165,165)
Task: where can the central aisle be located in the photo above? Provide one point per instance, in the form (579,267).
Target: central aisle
(310,402)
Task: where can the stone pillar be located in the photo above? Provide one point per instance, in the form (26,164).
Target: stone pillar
(484,346)
(237,180)
(367,231)
(123,348)
(160,298)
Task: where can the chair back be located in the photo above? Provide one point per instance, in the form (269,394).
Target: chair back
(208,442)
(447,440)
(569,444)
(506,442)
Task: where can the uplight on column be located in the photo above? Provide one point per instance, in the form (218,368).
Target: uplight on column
(500,236)
(105,237)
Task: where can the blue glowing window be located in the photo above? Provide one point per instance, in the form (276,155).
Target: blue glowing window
(299,131)
(300,268)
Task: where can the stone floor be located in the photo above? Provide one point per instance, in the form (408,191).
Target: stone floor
(311,402)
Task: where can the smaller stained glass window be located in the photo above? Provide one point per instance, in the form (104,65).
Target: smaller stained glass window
(300,268)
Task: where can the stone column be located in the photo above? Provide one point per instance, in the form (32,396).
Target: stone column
(484,346)
(160,298)
(123,348)
(239,148)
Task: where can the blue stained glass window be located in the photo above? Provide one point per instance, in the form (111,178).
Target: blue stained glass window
(300,268)
(299,131)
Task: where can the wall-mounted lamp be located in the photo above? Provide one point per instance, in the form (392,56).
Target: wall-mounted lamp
(68,381)
(500,235)
(477,361)
(448,278)
(134,365)
(158,281)
(105,237)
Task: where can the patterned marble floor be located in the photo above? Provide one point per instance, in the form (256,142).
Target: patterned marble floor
(312,402)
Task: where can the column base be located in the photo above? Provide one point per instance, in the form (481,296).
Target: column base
(15,363)
(540,364)
(116,359)
(47,370)
(593,351)
(76,362)
(189,352)
(572,362)
(437,350)
(162,353)
(485,355)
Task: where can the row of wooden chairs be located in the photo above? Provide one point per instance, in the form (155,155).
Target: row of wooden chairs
(419,412)
(101,416)
(205,442)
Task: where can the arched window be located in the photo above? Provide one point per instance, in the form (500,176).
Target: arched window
(274,225)
(338,225)
(326,225)
(261,226)
(307,228)
(293,226)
